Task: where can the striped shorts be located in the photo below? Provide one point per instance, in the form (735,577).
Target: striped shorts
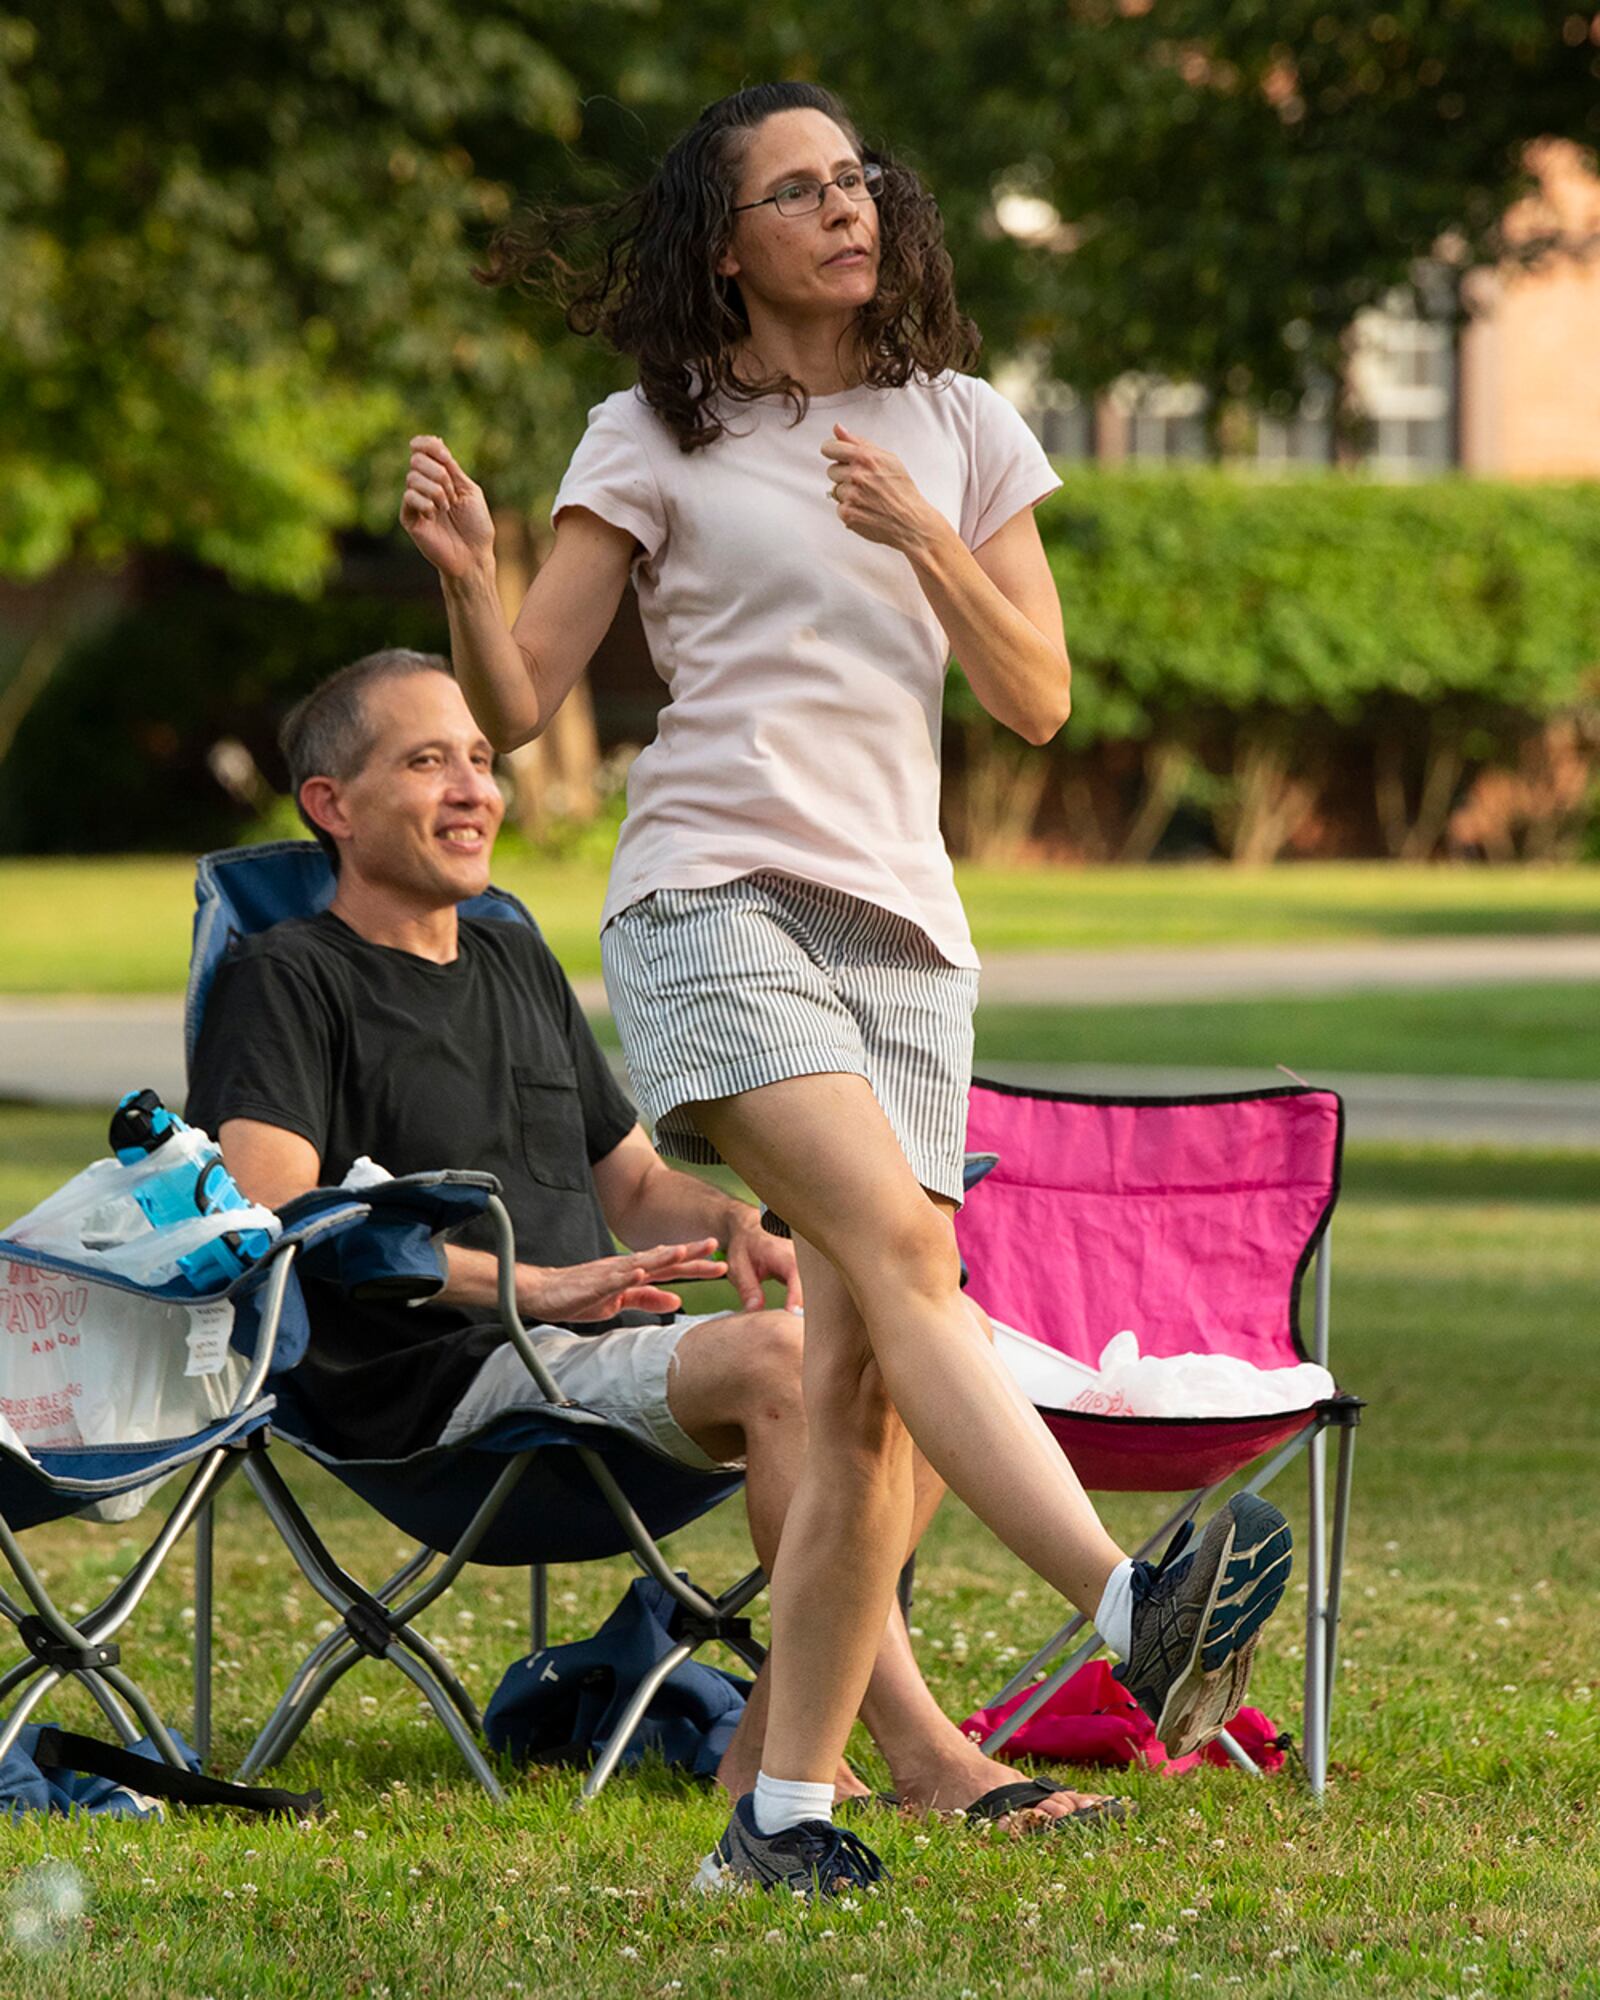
(717,991)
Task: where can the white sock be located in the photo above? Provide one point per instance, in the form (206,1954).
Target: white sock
(1114,1619)
(784,1802)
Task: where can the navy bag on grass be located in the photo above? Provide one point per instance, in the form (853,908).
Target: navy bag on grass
(51,1770)
(561,1706)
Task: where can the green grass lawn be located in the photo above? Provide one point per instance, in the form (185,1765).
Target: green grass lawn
(1457,1853)
(1549,1031)
(1523,1031)
(122,926)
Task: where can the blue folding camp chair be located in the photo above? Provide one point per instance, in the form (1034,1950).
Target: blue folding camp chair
(49,1482)
(554,1484)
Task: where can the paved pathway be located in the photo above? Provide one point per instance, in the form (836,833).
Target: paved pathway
(1244,972)
(88,1050)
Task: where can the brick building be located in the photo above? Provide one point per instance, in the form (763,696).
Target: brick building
(1512,394)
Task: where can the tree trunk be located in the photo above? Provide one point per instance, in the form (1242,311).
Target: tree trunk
(1167,767)
(555,775)
(1408,835)
(1268,802)
(1086,827)
(1001,788)
(40,658)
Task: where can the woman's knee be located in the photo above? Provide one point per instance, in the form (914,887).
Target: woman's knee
(912,1253)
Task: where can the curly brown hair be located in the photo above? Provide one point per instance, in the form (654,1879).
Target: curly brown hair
(641,271)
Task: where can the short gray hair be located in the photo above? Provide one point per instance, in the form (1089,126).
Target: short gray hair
(327,733)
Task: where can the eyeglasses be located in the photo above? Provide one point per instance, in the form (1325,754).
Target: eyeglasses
(804,197)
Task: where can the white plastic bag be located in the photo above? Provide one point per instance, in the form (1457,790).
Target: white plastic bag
(96,1218)
(85,1364)
(1130,1384)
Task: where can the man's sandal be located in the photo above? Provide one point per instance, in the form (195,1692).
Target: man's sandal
(1022,1797)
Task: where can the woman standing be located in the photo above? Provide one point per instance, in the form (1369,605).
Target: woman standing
(817,510)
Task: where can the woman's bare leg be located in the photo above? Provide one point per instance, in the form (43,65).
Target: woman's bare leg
(819,1151)
(843,1540)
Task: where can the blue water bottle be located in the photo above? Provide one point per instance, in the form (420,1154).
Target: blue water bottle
(197,1183)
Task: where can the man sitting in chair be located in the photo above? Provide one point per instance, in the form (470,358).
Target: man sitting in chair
(390,1027)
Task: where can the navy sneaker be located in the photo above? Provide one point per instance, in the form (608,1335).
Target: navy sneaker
(1196,1619)
(813,1858)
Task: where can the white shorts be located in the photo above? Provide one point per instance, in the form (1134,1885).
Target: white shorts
(622,1375)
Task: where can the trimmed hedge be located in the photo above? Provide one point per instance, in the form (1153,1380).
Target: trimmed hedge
(1323,662)
(1188,590)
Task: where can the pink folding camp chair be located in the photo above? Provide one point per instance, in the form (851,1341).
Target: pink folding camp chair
(1195,1222)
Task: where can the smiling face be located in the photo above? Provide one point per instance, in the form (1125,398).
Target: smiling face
(822,265)
(418,819)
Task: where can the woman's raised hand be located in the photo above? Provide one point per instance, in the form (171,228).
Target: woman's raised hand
(443,511)
(875,495)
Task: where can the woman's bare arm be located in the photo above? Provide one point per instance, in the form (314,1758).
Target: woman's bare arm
(997,604)
(513,681)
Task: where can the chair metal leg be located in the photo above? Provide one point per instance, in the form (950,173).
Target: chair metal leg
(110,1707)
(1074,1625)
(1316,1619)
(1343,1480)
(458,1732)
(632,1716)
(205,1528)
(18,1676)
(262,1752)
(1042,1693)
(154,1727)
(1238,1755)
(462,1702)
(14,1722)
(290,1717)
(323,1667)
(538,1608)
(906,1586)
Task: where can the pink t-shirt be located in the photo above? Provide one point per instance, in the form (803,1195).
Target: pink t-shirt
(804,665)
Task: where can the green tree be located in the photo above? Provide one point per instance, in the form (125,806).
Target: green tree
(235,235)
(1233,182)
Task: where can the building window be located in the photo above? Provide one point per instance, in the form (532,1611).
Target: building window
(1304,438)
(1059,418)
(1165,420)
(1403,382)
(1064,424)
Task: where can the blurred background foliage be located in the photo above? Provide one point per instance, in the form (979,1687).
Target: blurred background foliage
(237,236)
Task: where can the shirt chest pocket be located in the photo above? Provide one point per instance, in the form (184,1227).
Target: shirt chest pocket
(555,1145)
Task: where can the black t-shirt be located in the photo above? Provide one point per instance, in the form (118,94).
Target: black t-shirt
(485,1063)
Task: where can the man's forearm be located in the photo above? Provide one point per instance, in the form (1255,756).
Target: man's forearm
(669,1206)
(474,1279)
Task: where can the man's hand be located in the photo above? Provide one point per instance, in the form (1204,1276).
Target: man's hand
(609,1285)
(755,1254)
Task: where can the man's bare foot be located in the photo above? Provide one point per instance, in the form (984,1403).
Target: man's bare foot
(959,1780)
